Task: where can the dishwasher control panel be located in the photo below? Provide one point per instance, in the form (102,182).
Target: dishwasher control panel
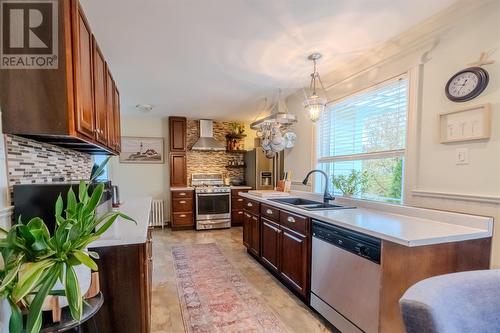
(352,241)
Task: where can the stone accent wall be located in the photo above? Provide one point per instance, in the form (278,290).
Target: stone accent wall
(208,161)
(33,162)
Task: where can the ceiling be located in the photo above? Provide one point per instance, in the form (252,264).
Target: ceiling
(220,58)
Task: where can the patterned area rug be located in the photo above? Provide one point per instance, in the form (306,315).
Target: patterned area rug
(215,297)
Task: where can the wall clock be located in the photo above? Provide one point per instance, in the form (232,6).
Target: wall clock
(467,84)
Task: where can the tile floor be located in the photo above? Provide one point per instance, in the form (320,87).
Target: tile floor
(166,315)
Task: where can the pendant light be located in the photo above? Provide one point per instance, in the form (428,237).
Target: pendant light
(314,104)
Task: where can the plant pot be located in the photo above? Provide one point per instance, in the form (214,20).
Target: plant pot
(83,273)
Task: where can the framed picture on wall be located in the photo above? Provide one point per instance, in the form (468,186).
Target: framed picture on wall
(141,150)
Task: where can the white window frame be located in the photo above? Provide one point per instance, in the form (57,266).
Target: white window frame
(374,155)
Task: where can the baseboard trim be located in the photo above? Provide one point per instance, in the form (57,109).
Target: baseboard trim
(457,196)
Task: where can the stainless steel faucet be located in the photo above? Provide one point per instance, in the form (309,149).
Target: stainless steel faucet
(326,196)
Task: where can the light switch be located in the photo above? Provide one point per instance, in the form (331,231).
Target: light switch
(462,156)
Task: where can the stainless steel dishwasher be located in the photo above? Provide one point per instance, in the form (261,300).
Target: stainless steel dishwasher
(345,281)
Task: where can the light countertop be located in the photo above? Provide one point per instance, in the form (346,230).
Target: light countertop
(125,232)
(409,226)
(240,187)
(186,188)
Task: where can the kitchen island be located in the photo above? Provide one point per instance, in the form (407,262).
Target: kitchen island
(125,271)
(412,244)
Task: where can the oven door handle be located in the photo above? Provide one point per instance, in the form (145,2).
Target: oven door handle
(213,194)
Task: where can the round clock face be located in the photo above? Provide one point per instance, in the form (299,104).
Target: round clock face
(467,84)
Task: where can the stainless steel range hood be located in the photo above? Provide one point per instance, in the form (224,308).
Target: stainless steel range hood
(207,142)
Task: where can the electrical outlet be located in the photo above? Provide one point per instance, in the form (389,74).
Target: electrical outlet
(462,156)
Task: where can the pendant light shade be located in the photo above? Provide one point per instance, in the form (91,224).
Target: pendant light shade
(314,104)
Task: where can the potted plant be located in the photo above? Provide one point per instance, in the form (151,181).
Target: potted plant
(34,260)
(355,182)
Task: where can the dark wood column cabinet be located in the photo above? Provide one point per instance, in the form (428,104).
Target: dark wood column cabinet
(125,277)
(69,106)
(182,209)
(178,135)
(251,226)
(178,170)
(271,244)
(237,208)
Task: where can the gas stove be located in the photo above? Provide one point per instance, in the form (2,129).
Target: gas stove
(213,201)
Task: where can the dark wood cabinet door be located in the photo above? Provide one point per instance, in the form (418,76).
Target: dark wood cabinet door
(178,129)
(110,110)
(100,100)
(178,169)
(236,218)
(116,107)
(255,236)
(247,229)
(294,260)
(270,243)
(84,105)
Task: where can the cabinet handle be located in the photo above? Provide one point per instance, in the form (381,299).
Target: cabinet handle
(182,194)
(269,212)
(240,200)
(247,215)
(240,212)
(182,215)
(249,204)
(182,201)
(290,219)
(254,218)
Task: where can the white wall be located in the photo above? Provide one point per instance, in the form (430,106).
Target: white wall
(143,179)
(430,165)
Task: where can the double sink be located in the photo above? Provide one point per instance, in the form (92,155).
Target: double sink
(309,204)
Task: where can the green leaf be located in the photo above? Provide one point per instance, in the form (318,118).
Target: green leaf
(106,225)
(73,293)
(11,275)
(97,172)
(59,205)
(85,259)
(16,318)
(34,321)
(94,200)
(71,203)
(30,278)
(83,192)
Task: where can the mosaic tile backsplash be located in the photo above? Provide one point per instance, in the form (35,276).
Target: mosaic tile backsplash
(33,162)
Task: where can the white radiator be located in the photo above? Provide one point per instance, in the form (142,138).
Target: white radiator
(157,213)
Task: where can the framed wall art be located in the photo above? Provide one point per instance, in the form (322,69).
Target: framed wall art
(142,150)
(473,123)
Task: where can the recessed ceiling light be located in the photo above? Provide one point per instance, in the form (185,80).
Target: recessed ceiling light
(144,107)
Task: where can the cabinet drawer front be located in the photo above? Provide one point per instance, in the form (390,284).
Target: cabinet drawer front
(294,222)
(182,219)
(251,206)
(237,202)
(182,205)
(182,194)
(237,218)
(271,213)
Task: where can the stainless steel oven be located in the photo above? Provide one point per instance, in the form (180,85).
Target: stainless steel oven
(213,202)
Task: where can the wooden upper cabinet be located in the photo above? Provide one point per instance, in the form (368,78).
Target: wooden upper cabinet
(110,109)
(100,101)
(70,105)
(178,129)
(84,105)
(178,170)
(117,130)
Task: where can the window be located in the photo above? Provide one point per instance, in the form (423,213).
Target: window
(98,159)
(366,132)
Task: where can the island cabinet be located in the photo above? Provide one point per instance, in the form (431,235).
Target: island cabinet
(237,207)
(251,226)
(281,241)
(74,105)
(125,278)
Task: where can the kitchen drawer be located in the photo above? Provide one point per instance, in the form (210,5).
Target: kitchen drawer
(182,219)
(237,202)
(251,206)
(237,218)
(182,194)
(182,205)
(271,213)
(294,222)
